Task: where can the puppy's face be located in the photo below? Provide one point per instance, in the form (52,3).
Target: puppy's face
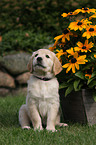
(44,61)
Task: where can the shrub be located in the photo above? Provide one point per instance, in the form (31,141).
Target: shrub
(37,14)
(18,40)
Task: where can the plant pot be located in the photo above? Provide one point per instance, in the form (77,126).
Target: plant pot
(79,107)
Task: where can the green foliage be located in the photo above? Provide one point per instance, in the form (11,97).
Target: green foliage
(63,85)
(80,75)
(37,14)
(69,89)
(18,40)
(76,84)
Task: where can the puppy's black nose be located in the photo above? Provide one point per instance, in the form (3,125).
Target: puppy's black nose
(39,59)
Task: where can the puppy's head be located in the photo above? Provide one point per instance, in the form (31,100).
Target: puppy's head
(44,61)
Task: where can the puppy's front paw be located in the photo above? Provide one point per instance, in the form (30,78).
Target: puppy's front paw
(38,128)
(51,129)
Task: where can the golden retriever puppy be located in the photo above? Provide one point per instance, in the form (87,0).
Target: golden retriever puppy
(42,101)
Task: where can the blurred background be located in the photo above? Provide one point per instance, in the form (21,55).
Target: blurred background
(27,25)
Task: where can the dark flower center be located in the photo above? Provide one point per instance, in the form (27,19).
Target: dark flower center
(73,60)
(84,47)
(85,8)
(79,23)
(65,31)
(71,13)
(91,29)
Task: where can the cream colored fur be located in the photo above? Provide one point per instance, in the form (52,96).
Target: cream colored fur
(42,101)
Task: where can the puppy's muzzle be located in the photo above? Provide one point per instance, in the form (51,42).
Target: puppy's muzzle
(39,59)
(40,62)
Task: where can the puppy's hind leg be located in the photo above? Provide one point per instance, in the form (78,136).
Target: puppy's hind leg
(24,118)
(58,121)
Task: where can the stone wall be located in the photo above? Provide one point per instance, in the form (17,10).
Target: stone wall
(14,73)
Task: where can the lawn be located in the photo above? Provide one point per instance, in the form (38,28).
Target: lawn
(12,134)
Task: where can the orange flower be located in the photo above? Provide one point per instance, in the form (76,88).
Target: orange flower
(84,10)
(74,62)
(60,53)
(84,47)
(89,72)
(79,24)
(93,16)
(66,35)
(54,46)
(51,48)
(95,55)
(70,51)
(90,31)
(69,14)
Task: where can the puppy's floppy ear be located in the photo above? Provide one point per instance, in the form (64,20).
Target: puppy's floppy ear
(57,67)
(29,65)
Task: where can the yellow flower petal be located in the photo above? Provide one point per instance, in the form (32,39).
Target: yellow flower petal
(70,51)
(67,37)
(64,14)
(86,42)
(77,66)
(63,39)
(81,59)
(73,68)
(60,53)
(80,44)
(58,37)
(75,55)
(87,35)
(76,48)
(68,69)
(66,65)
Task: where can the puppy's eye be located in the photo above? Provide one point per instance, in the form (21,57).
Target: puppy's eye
(47,56)
(36,55)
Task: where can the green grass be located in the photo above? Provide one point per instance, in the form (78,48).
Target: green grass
(12,134)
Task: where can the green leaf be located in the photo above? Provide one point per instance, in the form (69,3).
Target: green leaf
(93,74)
(69,80)
(90,80)
(69,90)
(63,85)
(92,84)
(94,95)
(80,75)
(88,66)
(80,86)
(76,83)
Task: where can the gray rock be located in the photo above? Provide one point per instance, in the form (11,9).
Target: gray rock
(6,80)
(15,63)
(4,92)
(19,91)
(23,78)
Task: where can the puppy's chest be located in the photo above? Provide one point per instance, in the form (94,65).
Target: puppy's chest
(43,89)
